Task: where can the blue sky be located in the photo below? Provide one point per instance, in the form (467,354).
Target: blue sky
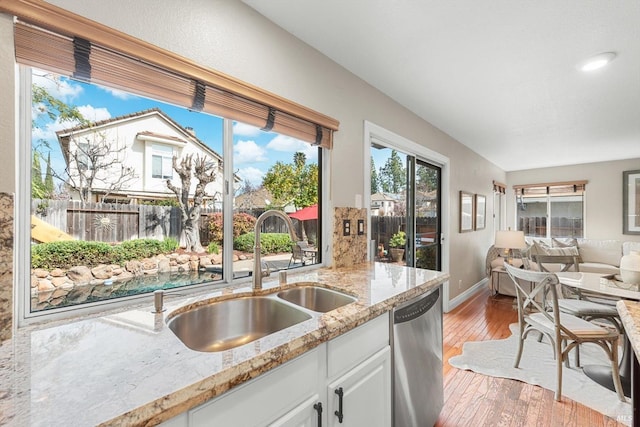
(254,151)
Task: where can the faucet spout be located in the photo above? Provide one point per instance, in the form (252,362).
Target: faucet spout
(258,272)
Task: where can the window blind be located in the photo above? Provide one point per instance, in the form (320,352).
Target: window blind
(56,40)
(554,188)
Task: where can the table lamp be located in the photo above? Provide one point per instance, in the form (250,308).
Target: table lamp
(510,240)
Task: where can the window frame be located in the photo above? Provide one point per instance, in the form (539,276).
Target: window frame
(22,260)
(553,190)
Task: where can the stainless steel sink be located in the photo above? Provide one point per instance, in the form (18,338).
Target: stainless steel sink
(231,323)
(316,298)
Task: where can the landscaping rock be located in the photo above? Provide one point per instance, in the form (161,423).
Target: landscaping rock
(134,267)
(164,265)
(57,272)
(183,259)
(204,261)
(102,272)
(125,275)
(60,282)
(45,285)
(149,264)
(80,274)
(41,273)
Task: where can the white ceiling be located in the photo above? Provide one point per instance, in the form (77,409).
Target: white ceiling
(499,76)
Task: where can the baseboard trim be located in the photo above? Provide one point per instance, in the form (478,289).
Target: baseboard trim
(466,295)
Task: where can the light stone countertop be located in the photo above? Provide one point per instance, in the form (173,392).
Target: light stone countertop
(630,316)
(128,368)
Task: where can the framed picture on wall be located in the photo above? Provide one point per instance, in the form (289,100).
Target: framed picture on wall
(466,211)
(631,202)
(481,211)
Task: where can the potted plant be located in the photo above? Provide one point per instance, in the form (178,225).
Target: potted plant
(396,245)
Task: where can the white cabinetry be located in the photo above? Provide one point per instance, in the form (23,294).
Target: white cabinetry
(365,392)
(291,395)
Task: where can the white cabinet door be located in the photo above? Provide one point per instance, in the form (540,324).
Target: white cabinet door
(265,398)
(366,394)
(303,415)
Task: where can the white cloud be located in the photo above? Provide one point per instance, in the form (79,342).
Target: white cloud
(248,152)
(292,145)
(94,114)
(251,174)
(65,90)
(243,129)
(117,93)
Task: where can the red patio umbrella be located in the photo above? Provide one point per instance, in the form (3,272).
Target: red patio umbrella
(304,214)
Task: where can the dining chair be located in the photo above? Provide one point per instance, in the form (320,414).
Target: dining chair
(572,301)
(564,331)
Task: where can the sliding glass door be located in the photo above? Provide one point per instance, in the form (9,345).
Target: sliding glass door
(405,208)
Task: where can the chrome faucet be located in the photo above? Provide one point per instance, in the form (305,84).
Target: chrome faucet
(258,272)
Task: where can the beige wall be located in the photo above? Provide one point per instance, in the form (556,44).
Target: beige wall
(603,217)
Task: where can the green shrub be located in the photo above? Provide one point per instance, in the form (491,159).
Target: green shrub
(138,249)
(169,244)
(213,248)
(271,243)
(70,253)
(77,252)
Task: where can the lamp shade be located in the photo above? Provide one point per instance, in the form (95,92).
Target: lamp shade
(510,239)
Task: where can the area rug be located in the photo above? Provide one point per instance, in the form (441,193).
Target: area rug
(495,358)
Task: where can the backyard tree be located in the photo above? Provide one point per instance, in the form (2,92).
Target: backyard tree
(97,164)
(190,206)
(374,177)
(393,174)
(295,183)
(47,109)
(93,163)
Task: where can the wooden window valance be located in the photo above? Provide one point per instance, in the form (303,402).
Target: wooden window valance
(499,187)
(57,40)
(553,188)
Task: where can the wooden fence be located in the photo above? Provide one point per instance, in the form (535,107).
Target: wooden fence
(112,223)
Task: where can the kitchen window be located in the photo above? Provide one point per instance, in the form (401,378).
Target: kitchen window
(209,116)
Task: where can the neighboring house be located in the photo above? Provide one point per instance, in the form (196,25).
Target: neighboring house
(260,199)
(382,204)
(144,143)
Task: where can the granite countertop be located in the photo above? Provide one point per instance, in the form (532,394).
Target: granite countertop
(128,368)
(630,316)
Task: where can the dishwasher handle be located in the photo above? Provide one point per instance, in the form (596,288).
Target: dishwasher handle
(416,309)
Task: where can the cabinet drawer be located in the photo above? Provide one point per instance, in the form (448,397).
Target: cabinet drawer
(264,398)
(346,351)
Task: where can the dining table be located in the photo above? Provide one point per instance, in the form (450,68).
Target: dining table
(595,284)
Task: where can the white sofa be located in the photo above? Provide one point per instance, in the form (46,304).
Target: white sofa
(595,256)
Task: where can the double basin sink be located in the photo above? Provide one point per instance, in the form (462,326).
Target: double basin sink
(227,324)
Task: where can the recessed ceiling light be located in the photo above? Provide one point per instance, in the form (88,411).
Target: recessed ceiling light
(597,61)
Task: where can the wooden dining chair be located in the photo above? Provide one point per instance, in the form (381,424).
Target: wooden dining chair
(564,331)
(572,301)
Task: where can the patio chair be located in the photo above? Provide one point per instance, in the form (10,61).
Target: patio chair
(564,330)
(300,252)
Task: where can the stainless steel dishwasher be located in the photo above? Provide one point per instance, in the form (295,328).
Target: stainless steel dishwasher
(417,360)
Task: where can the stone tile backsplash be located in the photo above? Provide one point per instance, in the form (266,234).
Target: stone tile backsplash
(6,265)
(351,249)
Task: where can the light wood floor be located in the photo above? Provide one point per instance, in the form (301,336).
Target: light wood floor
(476,400)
